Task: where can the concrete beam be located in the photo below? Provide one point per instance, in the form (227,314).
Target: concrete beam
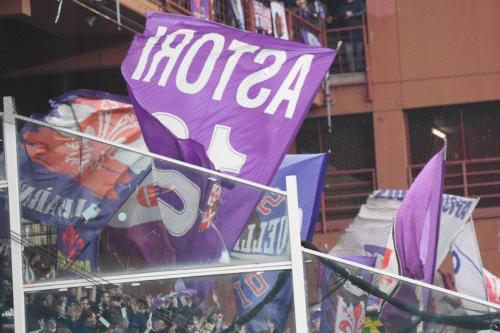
(15,7)
(110,57)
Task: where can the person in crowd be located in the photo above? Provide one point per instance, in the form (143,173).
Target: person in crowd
(89,321)
(119,312)
(74,312)
(304,10)
(320,13)
(303,30)
(350,14)
(60,309)
(51,326)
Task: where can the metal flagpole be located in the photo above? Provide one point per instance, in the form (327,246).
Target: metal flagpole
(329,97)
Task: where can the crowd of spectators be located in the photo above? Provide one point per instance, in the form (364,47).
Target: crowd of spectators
(6,306)
(111,309)
(343,14)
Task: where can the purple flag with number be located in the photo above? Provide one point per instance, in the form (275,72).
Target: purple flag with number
(237,96)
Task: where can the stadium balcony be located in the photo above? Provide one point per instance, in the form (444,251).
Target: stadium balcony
(472,178)
(344,192)
(341,74)
(473,162)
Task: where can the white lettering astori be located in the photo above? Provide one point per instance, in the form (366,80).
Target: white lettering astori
(220,151)
(185,41)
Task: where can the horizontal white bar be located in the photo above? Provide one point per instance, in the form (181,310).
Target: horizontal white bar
(402,278)
(155,156)
(3,184)
(163,275)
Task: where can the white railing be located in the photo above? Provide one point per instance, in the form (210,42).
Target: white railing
(10,118)
(295,264)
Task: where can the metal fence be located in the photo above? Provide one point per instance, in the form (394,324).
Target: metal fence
(471,178)
(473,152)
(352,58)
(344,192)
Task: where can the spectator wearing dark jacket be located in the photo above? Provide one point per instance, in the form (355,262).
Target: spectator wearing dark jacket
(349,15)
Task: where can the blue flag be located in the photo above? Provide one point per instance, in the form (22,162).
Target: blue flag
(76,184)
(266,236)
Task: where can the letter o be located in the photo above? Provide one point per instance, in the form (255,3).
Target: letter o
(205,73)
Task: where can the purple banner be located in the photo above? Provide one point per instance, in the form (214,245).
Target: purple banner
(240,95)
(417,222)
(416,235)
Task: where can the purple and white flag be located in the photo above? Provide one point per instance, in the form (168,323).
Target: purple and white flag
(468,266)
(266,236)
(263,18)
(370,233)
(239,97)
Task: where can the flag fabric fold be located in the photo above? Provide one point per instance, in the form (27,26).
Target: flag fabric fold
(417,222)
(415,239)
(468,266)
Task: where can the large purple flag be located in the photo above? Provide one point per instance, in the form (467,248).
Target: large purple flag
(239,96)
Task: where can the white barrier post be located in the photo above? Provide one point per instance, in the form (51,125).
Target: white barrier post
(12,175)
(294,222)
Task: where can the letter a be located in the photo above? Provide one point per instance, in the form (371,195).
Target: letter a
(298,73)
